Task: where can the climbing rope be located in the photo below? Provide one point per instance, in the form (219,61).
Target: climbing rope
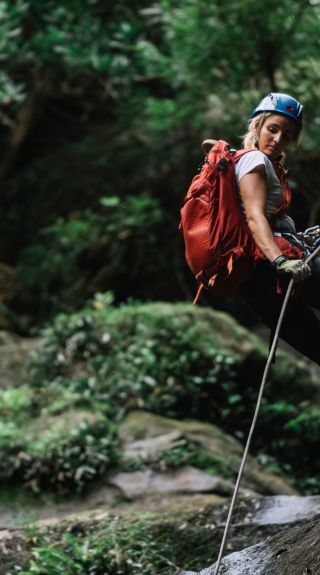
(257,409)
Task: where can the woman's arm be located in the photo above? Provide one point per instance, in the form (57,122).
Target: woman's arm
(253,191)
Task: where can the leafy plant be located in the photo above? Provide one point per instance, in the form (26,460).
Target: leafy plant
(65,457)
(123,548)
(170,359)
(102,102)
(78,255)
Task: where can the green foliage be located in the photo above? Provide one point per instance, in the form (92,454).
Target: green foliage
(305,423)
(117,547)
(172,359)
(75,256)
(62,453)
(54,34)
(169,359)
(16,402)
(154,357)
(102,101)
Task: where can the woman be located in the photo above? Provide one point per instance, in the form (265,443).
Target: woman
(275,124)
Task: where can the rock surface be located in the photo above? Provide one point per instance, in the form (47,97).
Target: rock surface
(14,351)
(277,534)
(13,550)
(283,509)
(291,542)
(287,528)
(294,552)
(145,436)
(186,479)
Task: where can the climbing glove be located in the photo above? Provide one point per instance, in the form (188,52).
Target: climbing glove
(297,270)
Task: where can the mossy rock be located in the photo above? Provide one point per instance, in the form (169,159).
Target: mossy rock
(163,543)
(176,360)
(150,441)
(127,544)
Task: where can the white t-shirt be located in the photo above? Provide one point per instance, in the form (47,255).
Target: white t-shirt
(245,165)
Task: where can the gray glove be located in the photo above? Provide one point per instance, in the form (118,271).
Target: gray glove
(297,270)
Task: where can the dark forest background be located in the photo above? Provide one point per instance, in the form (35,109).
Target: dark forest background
(103,107)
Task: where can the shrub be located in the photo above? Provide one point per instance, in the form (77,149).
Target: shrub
(180,361)
(62,453)
(154,356)
(122,546)
(79,254)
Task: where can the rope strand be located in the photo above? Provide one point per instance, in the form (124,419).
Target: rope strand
(255,417)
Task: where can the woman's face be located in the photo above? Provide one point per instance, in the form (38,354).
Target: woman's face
(276,133)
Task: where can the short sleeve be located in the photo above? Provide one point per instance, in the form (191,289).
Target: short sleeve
(248,162)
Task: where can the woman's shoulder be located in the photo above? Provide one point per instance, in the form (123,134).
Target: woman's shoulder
(253,156)
(251,160)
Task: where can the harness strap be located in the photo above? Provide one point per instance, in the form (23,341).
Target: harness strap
(200,288)
(282,175)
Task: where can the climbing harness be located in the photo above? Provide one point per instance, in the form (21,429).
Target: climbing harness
(263,382)
(312,237)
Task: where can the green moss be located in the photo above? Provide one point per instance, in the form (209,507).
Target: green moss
(175,360)
(189,453)
(123,546)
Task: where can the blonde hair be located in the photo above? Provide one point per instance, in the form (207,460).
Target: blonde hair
(251,138)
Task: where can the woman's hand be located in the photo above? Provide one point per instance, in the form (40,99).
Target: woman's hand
(297,270)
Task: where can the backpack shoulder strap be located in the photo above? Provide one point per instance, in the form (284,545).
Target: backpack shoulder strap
(239,153)
(287,196)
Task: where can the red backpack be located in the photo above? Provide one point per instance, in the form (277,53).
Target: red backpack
(219,246)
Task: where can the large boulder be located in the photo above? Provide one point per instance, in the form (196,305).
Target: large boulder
(293,552)
(286,532)
(168,456)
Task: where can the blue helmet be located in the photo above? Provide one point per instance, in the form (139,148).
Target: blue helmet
(280,104)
